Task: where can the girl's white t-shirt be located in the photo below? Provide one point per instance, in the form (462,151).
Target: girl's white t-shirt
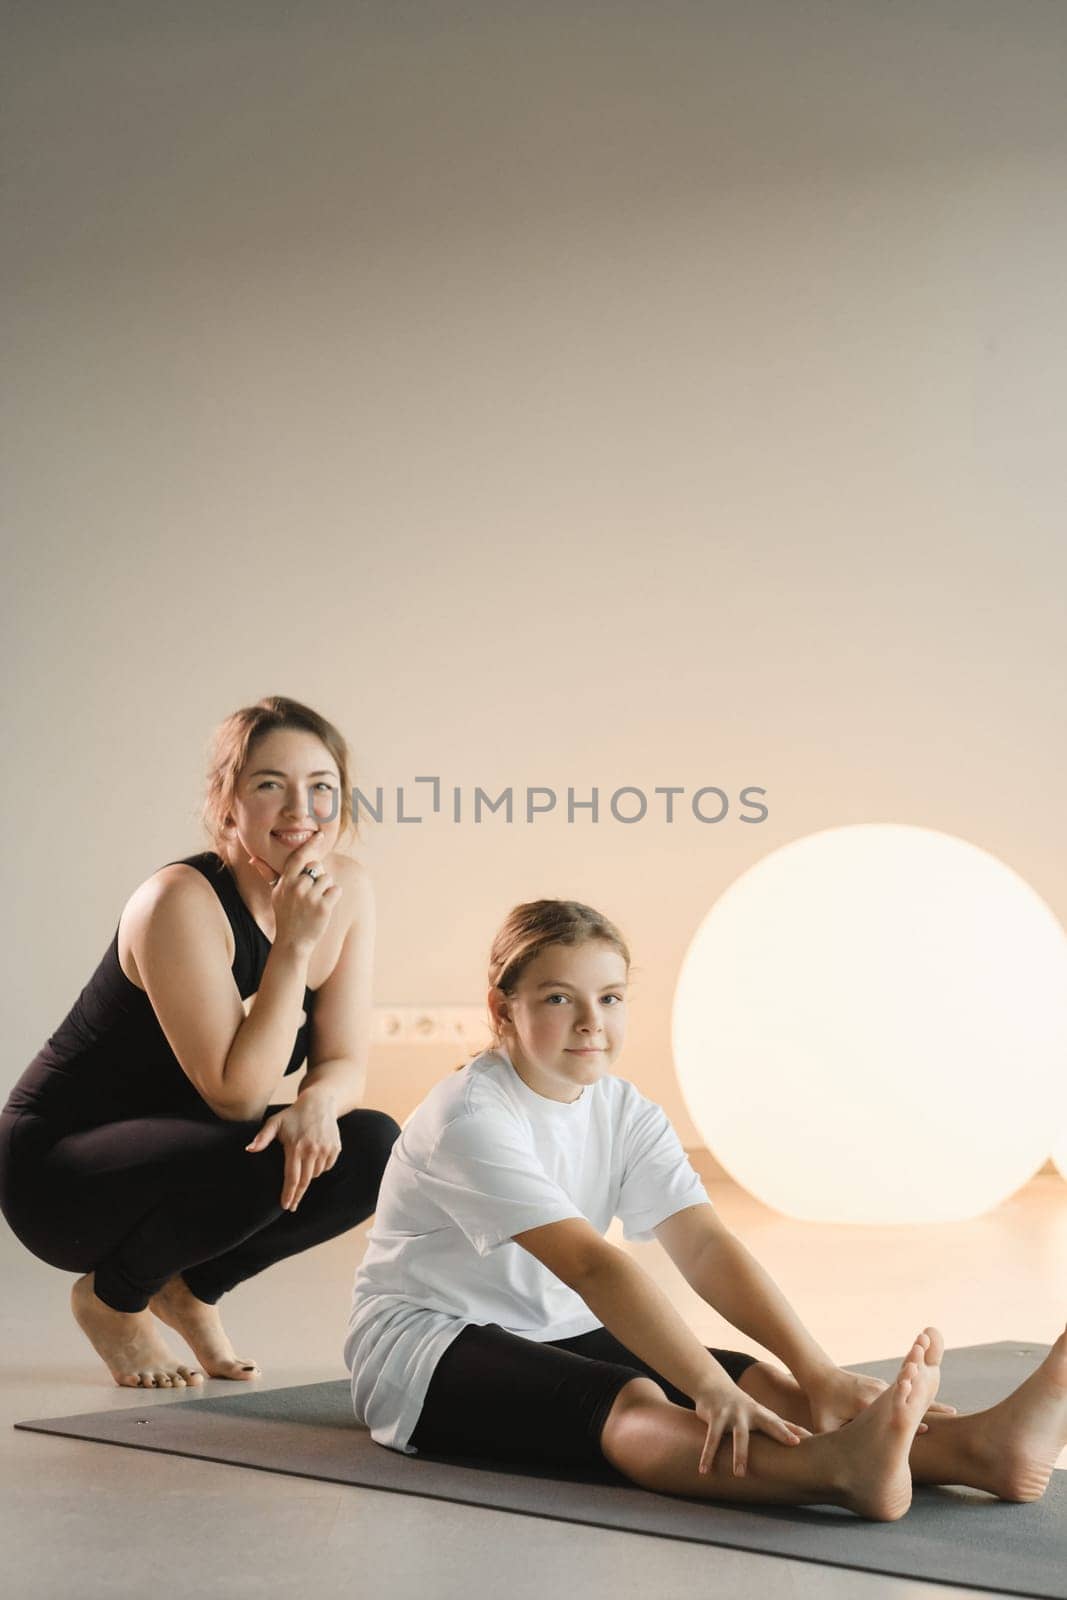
(482,1158)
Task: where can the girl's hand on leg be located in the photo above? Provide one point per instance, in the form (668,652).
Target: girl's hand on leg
(835,1396)
(727,1409)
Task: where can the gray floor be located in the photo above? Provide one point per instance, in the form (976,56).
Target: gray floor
(92,1520)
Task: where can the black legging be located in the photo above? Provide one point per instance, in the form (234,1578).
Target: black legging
(137,1201)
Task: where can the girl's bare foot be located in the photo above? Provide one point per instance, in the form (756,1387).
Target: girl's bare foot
(129,1343)
(1020,1439)
(875,1476)
(201,1327)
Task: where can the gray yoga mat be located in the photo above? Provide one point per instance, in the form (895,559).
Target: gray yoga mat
(950,1535)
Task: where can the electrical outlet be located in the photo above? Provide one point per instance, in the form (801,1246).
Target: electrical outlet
(463,1026)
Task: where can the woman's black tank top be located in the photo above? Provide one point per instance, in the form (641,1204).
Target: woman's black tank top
(109,1058)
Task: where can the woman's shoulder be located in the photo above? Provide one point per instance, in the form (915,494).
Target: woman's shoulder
(194,875)
(347,868)
(177,890)
(178,879)
(355,880)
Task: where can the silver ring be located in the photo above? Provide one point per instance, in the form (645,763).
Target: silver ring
(313,872)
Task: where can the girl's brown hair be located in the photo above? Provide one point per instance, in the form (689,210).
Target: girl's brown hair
(234,738)
(528,929)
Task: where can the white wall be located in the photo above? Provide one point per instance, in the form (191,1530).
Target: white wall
(567,394)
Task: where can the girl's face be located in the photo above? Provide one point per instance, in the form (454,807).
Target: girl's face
(287,771)
(565,1023)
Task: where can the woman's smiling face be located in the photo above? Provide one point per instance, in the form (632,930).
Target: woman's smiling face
(287,772)
(565,1022)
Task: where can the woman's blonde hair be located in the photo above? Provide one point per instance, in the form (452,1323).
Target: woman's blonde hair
(530,928)
(234,738)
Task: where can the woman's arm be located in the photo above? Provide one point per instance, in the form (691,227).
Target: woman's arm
(233,1061)
(263,1044)
(341,1020)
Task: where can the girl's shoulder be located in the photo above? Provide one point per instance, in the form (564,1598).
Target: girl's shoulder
(480,1087)
(461,1105)
(626,1107)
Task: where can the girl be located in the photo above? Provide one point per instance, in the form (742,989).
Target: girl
(491,1318)
(133,1149)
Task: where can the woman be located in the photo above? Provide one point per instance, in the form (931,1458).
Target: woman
(133,1149)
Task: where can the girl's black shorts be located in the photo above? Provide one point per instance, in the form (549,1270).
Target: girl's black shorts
(498,1396)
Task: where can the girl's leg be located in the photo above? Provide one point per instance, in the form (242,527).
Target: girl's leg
(601,1345)
(945,1454)
(1008,1450)
(863,1466)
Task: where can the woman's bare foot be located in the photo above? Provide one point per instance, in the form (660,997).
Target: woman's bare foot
(1019,1439)
(201,1327)
(129,1343)
(875,1478)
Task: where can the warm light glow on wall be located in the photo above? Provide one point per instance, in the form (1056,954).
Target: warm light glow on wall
(1059,1154)
(870,1025)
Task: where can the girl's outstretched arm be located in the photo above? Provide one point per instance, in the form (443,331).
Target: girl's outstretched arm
(717,1265)
(639,1314)
(629,1304)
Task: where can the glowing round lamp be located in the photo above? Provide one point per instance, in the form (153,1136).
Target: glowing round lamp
(870,1025)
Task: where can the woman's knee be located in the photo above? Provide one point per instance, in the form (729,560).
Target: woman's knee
(372,1133)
